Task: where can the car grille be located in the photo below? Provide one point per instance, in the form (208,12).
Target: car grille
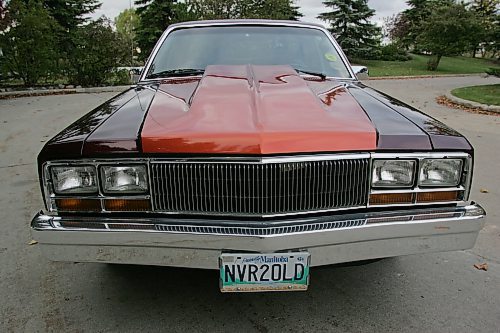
(268,231)
(247,189)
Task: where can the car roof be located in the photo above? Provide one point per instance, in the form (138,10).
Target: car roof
(245,22)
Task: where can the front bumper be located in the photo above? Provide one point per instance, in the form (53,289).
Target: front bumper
(199,243)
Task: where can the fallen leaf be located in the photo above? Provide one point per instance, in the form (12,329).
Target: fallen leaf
(481,267)
(446,102)
(33,242)
(483,190)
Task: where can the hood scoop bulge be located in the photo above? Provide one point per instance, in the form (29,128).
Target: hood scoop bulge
(255,110)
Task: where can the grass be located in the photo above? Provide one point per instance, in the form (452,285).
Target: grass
(489,94)
(418,65)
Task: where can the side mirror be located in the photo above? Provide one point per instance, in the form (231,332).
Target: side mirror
(362,72)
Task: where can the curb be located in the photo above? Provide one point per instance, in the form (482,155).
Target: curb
(413,77)
(31,93)
(471,104)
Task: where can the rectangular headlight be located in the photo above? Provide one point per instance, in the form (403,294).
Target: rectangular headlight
(124,179)
(393,173)
(74,179)
(441,172)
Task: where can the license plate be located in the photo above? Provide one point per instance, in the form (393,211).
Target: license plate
(264,272)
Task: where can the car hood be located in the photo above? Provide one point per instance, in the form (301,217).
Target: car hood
(251,110)
(255,110)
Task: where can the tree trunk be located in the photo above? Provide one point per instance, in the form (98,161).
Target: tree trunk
(493,55)
(433,62)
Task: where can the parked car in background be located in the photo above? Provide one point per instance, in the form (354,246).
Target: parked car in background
(134,72)
(251,147)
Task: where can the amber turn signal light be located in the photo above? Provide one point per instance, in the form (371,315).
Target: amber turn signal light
(78,205)
(437,196)
(127,205)
(391,198)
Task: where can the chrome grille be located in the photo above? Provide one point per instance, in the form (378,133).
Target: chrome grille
(268,231)
(227,188)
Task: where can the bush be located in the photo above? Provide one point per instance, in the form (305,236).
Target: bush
(494,72)
(120,78)
(393,52)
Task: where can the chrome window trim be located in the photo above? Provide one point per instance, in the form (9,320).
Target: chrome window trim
(171,28)
(465,186)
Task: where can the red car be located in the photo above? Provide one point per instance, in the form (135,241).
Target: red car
(252,148)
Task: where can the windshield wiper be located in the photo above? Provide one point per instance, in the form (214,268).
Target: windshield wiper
(320,75)
(176,72)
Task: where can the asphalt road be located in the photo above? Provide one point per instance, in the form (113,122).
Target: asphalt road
(420,293)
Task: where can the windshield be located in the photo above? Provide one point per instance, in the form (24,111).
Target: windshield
(305,49)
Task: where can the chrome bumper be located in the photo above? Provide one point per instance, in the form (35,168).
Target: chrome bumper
(198,243)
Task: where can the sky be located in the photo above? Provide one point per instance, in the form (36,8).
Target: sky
(310,8)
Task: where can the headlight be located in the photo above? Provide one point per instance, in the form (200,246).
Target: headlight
(440,172)
(393,173)
(124,179)
(74,180)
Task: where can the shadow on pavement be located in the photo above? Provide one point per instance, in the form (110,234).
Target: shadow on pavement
(188,298)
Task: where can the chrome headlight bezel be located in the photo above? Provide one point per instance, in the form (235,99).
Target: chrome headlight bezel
(423,175)
(86,175)
(420,193)
(398,166)
(141,178)
(51,197)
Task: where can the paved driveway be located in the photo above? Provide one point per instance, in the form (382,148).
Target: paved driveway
(421,293)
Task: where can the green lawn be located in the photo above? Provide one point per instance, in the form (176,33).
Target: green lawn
(417,66)
(482,94)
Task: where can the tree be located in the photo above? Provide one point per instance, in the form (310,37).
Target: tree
(486,8)
(126,24)
(488,13)
(397,29)
(157,15)
(449,30)
(350,24)
(95,55)
(494,45)
(216,9)
(30,42)
(245,9)
(408,24)
(4,16)
(268,9)
(71,13)
(154,17)
(415,16)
